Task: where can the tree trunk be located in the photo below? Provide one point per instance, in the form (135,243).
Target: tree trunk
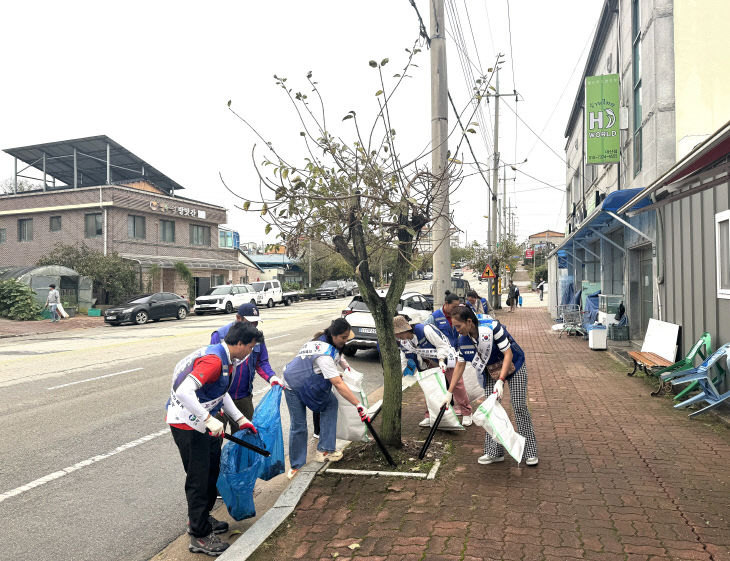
(390,431)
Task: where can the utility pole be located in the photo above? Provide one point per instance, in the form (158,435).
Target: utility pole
(495,187)
(504,202)
(439,147)
(310,262)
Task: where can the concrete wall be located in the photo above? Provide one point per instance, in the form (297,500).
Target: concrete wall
(702,82)
(689,295)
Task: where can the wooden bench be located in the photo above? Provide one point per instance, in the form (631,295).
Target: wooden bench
(659,349)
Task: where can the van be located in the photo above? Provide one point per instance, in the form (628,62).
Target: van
(268,293)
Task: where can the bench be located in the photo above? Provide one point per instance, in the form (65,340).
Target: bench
(659,349)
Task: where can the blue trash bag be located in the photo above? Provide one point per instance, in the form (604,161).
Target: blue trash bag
(520,301)
(410,368)
(237,477)
(267,420)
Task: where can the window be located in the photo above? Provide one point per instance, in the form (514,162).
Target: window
(167,231)
(722,238)
(3,235)
(217,280)
(225,238)
(136,227)
(199,235)
(268,286)
(25,230)
(55,225)
(636,81)
(93,225)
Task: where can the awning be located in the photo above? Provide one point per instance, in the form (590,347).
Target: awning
(681,180)
(606,214)
(164,261)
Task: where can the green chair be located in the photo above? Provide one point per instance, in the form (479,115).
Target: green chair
(703,348)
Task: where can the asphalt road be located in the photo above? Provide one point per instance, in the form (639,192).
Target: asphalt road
(89,470)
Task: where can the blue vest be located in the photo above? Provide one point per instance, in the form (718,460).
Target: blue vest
(312,388)
(423,342)
(468,349)
(440,321)
(207,392)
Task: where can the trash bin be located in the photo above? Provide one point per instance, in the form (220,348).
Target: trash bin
(597,337)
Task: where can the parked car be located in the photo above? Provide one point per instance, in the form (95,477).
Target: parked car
(459,286)
(458,273)
(268,293)
(352,288)
(224,298)
(331,289)
(428,275)
(413,305)
(148,307)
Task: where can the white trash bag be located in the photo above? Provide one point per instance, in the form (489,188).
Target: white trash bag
(473,382)
(492,417)
(349,425)
(433,384)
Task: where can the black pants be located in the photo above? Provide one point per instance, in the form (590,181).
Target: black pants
(201,458)
(315,420)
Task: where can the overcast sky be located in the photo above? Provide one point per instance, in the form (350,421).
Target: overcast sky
(156,76)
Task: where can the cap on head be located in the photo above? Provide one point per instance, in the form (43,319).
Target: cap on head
(401,325)
(249,312)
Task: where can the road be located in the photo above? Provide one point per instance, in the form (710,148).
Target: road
(90,471)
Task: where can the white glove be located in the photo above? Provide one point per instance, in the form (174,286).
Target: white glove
(214,426)
(442,354)
(442,366)
(447,400)
(276,381)
(498,388)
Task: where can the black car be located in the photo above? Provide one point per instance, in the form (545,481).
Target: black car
(331,289)
(146,307)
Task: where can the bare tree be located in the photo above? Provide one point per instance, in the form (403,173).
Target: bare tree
(359,197)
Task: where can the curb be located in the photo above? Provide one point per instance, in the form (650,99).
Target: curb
(244,546)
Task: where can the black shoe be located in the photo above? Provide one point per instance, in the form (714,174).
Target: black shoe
(219,527)
(210,545)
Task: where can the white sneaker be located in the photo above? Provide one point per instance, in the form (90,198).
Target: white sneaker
(531,461)
(292,472)
(487,459)
(425,423)
(316,436)
(466,421)
(329,456)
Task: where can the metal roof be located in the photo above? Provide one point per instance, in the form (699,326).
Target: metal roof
(91,163)
(166,261)
(272,260)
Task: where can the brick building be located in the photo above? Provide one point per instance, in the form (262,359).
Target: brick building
(97,193)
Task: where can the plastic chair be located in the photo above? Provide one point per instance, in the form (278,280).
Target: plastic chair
(703,348)
(708,389)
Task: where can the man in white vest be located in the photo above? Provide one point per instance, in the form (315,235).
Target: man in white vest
(200,385)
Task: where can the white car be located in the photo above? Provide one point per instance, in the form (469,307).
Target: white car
(224,298)
(413,305)
(268,293)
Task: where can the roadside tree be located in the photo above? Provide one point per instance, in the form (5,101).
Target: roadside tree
(359,197)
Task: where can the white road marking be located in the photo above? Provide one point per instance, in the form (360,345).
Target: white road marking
(65,471)
(95,378)
(276,337)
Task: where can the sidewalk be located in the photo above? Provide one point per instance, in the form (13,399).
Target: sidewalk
(622,476)
(11,328)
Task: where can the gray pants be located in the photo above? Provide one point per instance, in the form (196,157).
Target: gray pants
(518,396)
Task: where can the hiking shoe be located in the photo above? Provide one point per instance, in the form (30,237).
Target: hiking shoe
(329,456)
(210,545)
(292,472)
(466,421)
(531,461)
(219,527)
(425,423)
(487,459)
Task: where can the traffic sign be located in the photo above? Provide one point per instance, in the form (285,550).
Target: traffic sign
(506,267)
(529,254)
(488,273)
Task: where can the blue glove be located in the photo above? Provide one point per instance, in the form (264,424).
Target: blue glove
(410,369)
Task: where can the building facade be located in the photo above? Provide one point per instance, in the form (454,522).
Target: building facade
(141,219)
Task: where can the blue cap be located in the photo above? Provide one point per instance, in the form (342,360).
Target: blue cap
(249,312)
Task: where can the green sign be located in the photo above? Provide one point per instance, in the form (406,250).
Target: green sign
(602,126)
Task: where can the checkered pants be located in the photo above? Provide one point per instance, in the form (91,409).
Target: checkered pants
(518,396)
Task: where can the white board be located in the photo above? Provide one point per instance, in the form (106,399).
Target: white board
(661,339)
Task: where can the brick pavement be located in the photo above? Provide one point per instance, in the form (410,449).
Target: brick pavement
(622,476)
(11,328)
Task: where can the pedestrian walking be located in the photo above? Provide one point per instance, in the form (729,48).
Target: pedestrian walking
(241,390)
(52,301)
(493,352)
(478,304)
(512,294)
(426,346)
(200,385)
(442,320)
(541,288)
(309,379)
